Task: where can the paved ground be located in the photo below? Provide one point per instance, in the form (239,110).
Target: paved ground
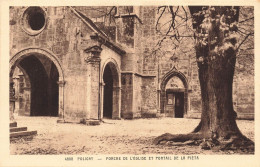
(111,137)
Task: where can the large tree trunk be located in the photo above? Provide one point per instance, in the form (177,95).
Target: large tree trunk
(216,57)
(216,69)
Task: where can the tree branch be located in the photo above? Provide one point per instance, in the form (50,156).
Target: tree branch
(246,19)
(243,41)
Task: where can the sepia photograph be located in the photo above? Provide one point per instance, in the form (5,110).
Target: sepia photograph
(131,82)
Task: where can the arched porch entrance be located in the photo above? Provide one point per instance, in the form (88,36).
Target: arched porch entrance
(43,75)
(174,94)
(111,92)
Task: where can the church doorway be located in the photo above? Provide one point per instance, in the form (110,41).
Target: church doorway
(174,94)
(108,93)
(111,92)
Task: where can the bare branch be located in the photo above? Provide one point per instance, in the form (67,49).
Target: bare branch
(244,40)
(164,8)
(246,20)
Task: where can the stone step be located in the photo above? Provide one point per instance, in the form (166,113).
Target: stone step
(13,124)
(18,129)
(22,133)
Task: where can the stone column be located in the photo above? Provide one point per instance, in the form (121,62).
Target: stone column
(116,103)
(88,92)
(187,105)
(17,87)
(102,84)
(61,111)
(93,82)
(11,101)
(119,102)
(158,101)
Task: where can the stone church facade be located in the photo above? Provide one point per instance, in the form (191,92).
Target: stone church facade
(68,62)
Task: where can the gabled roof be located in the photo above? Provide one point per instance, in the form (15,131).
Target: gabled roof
(98,32)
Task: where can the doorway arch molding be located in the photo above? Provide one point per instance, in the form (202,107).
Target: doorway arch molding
(14,61)
(173,72)
(116,69)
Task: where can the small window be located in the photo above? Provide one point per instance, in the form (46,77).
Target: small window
(34,20)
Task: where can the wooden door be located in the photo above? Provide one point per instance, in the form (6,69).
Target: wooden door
(179,105)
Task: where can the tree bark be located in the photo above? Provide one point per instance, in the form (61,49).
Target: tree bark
(216,70)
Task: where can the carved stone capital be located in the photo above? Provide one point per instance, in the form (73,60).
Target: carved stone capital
(61,83)
(95,50)
(94,55)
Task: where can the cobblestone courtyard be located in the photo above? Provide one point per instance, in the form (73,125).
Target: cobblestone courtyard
(111,137)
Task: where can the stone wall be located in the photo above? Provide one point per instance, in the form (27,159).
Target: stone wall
(149,97)
(138,98)
(149,57)
(127,95)
(243,95)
